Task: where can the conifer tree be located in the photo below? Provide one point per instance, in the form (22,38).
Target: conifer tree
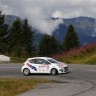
(28,39)
(3,34)
(15,38)
(21,39)
(71,39)
(47,45)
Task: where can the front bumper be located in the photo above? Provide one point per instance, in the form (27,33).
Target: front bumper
(64,70)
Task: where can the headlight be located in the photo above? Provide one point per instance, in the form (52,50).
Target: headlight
(65,65)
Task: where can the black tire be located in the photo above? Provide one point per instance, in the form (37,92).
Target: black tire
(26,71)
(54,72)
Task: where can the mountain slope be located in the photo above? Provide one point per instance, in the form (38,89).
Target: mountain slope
(84,26)
(9,19)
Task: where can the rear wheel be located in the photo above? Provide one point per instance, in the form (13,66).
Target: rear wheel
(26,72)
(54,71)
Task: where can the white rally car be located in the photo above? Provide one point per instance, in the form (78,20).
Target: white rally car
(44,65)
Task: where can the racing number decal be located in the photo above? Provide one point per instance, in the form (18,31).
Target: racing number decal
(32,67)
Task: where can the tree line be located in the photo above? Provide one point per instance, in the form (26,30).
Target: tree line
(18,40)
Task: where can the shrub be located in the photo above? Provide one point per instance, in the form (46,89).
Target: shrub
(76,53)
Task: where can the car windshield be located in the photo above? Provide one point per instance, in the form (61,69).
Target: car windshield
(53,61)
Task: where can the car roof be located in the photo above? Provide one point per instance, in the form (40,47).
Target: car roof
(39,58)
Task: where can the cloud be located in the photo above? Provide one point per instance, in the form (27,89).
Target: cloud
(39,11)
(58,14)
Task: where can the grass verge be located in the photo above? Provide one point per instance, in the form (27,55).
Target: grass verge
(18,60)
(82,55)
(12,86)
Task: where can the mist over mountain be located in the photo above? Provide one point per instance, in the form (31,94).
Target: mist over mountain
(9,19)
(84,26)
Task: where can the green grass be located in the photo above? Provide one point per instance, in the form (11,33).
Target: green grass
(18,59)
(83,55)
(12,87)
(89,58)
(86,59)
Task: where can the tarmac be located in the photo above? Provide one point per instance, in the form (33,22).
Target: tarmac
(61,88)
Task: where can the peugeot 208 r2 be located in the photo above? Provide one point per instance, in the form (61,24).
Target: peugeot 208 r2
(44,65)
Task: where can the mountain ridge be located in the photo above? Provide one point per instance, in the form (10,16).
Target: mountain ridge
(84,26)
(9,19)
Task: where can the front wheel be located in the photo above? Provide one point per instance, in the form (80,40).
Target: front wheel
(54,72)
(26,72)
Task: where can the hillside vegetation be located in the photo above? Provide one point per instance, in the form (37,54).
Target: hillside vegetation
(83,55)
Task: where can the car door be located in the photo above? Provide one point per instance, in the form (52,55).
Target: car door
(34,66)
(43,66)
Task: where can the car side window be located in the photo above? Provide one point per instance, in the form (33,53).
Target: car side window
(32,61)
(41,61)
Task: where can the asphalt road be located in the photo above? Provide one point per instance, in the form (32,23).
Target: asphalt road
(81,81)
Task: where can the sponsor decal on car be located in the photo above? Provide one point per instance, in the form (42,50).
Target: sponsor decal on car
(45,67)
(42,66)
(31,66)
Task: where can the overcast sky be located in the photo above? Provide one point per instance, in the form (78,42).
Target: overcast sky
(38,11)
